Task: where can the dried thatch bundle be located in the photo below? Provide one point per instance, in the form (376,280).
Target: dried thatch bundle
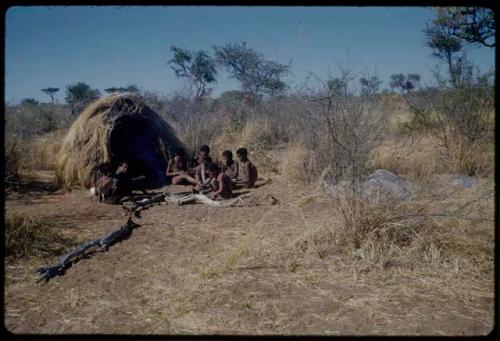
(116,128)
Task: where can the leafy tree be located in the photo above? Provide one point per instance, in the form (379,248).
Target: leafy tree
(50,92)
(80,94)
(231,98)
(197,66)
(445,46)
(112,89)
(370,86)
(130,88)
(29,102)
(337,86)
(404,83)
(257,75)
(471,24)
(455,26)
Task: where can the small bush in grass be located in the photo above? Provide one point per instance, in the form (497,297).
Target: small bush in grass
(436,229)
(461,118)
(27,236)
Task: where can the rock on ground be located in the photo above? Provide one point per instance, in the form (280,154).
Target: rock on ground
(381,184)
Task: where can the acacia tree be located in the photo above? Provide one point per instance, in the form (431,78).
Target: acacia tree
(131,88)
(257,75)
(50,92)
(29,102)
(197,66)
(404,83)
(80,94)
(471,24)
(370,86)
(454,26)
(445,46)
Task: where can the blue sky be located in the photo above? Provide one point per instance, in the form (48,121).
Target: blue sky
(117,46)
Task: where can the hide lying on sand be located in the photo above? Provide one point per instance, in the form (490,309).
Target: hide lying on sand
(119,127)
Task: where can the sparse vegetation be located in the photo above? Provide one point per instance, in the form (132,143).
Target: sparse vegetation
(29,236)
(317,145)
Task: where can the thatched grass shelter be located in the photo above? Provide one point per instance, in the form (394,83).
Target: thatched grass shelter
(116,128)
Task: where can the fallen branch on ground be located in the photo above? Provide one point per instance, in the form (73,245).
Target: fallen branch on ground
(135,208)
(203,199)
(85,250)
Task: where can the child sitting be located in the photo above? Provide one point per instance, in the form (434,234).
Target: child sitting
(222,187)
(178,170)
(247,171)
(228,166)
(202,159)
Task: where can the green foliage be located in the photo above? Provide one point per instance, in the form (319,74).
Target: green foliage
(459,116)
(470,24)
(197,66)
(233,104)
(336,86)
(50,92)
(370,86)
(452,27)
(130,88)
(444,45)
(29,102)
(404,83)
(78,95)
(257,75)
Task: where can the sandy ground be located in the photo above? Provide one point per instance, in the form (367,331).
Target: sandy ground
(199,270)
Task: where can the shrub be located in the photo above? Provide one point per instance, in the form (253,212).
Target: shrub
(461,118)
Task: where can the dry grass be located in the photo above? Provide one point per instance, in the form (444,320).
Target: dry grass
(25,157)
(256,137)
(281,269)
(40,152)
(431,233)
(472,158)
(29,236)
(298,165)
(310,264)
(414,158)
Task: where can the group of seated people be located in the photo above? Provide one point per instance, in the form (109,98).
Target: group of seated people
(214,178)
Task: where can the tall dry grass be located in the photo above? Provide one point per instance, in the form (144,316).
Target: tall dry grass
(461,119)
(31,236)
(40,153)
(25,157)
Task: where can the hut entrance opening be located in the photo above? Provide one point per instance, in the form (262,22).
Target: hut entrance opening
(134,141)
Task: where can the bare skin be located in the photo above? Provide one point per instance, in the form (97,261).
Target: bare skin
(200,172)
(247,173)
(232,170)
(223,185)
(179,175)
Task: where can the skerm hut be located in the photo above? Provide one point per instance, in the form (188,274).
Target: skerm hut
(116,128)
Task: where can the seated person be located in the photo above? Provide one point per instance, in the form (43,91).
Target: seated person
(205,150)
(203,158)
(228,165)
(124,183)
(222,187)
(104,169)
(112,188)
(247,172)
(178,170)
